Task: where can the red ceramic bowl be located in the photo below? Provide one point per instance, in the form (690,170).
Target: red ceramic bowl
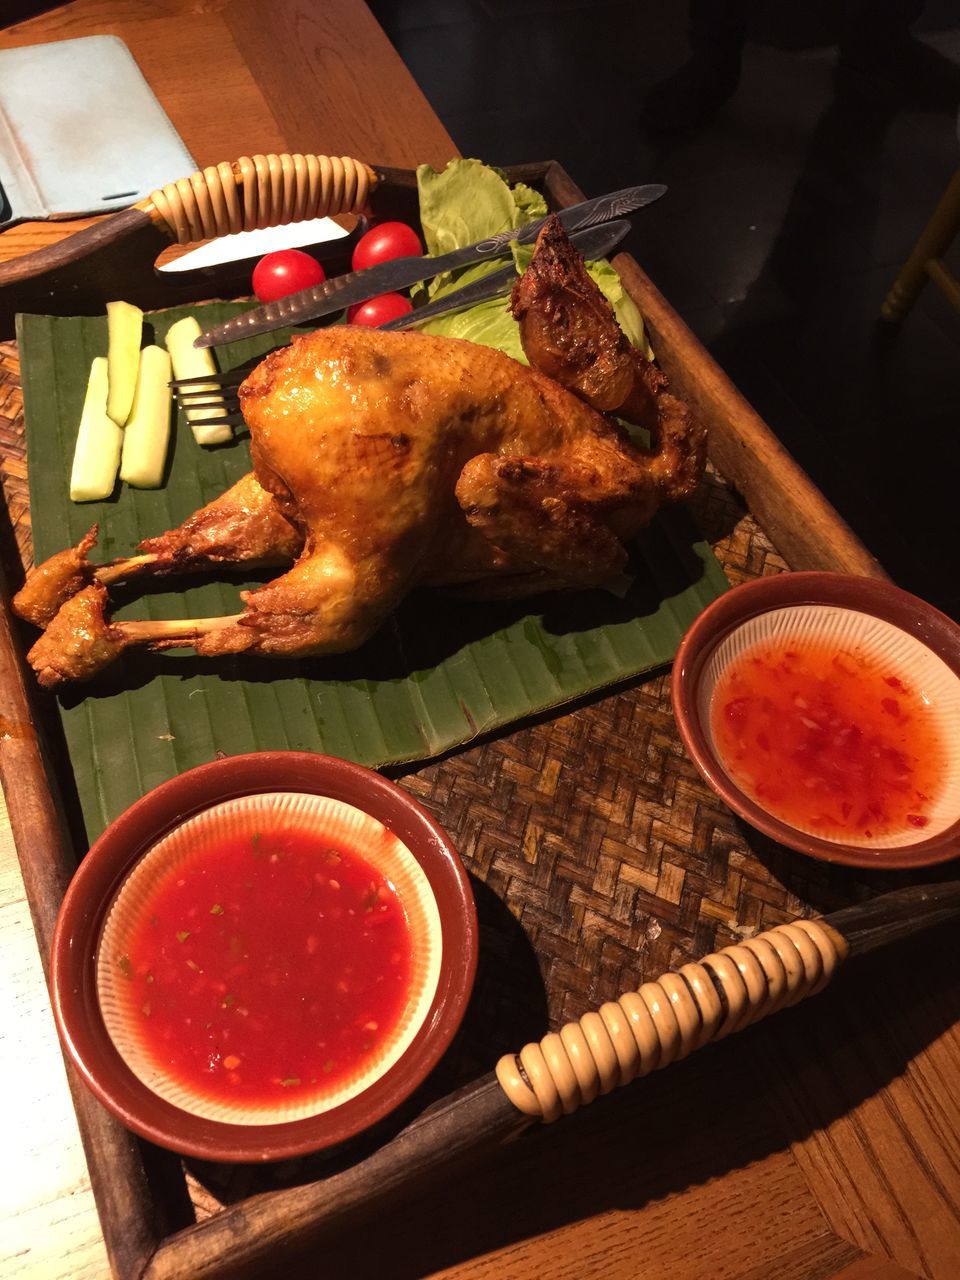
(929,645)
(76,1002)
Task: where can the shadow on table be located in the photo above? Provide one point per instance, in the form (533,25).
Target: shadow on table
(731,1105)
(723,1109)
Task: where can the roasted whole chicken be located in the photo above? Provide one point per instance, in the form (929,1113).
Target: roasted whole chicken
(388,461)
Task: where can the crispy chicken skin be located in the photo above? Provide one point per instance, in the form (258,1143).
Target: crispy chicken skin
(385,461)
(569,331)
(52,583)
(79,641)
(242,527)
(407,458)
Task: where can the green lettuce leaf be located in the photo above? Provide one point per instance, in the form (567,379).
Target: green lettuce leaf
(489,323)
(468,201)
(626,310)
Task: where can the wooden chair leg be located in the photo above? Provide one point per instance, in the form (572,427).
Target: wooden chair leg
(935,239)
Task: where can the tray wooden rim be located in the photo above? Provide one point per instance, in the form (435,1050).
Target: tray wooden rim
(789,508)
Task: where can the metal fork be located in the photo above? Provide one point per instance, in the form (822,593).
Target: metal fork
(211,397)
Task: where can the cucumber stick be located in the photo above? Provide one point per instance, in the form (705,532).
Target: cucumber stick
(147,433)
(99,439)
(124,332)
(193,362)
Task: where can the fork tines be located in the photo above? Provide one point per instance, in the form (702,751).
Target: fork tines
(232,378)
(198,415)
(201,396)
(234,419)
(208,401)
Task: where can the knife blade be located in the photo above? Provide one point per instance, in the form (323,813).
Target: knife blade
(400,273)
(594,242)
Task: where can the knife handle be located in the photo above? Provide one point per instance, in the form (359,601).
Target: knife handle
(114,257)
(256,192)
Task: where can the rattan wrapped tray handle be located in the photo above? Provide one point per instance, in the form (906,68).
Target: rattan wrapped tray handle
(115,256)
(665,1020)
(259,191)
(730,989)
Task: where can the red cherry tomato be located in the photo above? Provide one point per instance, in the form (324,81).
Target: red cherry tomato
(385,241)
(286,271)
(377,311)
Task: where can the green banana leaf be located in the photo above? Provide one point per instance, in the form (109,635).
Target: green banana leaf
(439,673)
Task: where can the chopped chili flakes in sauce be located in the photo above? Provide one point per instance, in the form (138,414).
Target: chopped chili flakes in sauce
(828,740)
(268,964)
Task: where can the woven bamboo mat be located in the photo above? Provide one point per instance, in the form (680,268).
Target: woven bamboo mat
(591,826)
(599,856)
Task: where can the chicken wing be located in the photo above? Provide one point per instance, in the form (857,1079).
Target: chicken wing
(569,331)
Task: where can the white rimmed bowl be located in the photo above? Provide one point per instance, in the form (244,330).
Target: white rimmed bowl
(267,816)
(399,838)
(867,613)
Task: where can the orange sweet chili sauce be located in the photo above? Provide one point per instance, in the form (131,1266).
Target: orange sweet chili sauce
(829,740)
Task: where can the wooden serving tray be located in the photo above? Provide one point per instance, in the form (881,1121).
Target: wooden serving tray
(600,856)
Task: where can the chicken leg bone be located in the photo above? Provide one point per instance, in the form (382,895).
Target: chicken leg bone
(81,641)
(243,527)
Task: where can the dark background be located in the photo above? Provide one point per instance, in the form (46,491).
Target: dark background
(788,216)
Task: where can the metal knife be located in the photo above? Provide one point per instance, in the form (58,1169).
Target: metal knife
(595,242)
(400,273)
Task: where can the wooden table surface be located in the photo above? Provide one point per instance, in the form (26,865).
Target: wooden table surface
(826,1144)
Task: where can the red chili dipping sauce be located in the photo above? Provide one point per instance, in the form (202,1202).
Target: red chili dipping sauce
(266,964)
(828,740)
